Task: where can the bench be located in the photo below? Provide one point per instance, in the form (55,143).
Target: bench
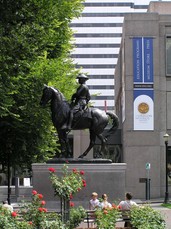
(90,218)
(125,217)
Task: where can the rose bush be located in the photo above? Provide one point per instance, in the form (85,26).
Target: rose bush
(67,185)
(106,218)
(34,215)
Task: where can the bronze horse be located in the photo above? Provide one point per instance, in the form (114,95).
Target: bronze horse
(91,118)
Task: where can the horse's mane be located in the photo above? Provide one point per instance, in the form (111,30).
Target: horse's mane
(60,93)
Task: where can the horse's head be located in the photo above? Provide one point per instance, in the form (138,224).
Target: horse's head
(47,95)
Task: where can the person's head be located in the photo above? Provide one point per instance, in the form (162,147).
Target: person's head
(104,197)
(82,78)
(128,196)
(94,195)
(5,202)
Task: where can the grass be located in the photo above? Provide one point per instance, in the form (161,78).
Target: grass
(166,205)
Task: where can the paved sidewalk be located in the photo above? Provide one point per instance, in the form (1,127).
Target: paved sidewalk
(166,212)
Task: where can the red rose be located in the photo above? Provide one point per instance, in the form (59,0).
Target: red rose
(43,202)
(119,207)
(30,222)
(52,170)
(83,181)
(14,214)
(105,212)
(114,206)
(79,189)
(34,192)
(44,209)
(71,196)
(74,170)
(40,209)
(72,204)
(82,172)
(40,196)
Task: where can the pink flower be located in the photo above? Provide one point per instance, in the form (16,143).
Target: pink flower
(40,196)
(72,204)
(67,161)
(31,223)
(52,170)
(82,172)
(34,192)
(43,202)
(14,214)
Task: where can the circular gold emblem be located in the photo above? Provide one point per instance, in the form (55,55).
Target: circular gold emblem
(143,108)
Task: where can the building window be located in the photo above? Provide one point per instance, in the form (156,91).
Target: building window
(168,55)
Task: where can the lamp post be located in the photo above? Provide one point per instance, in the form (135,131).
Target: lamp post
(166,138)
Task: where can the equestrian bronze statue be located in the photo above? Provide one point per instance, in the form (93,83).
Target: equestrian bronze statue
(82,118)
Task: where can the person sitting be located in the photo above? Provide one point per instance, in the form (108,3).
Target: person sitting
(94,202)
(7,206)
(79,100)
(126,205)
(105,203)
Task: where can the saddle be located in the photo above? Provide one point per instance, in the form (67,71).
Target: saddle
(78,114)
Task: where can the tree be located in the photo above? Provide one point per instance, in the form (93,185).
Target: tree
(35,49)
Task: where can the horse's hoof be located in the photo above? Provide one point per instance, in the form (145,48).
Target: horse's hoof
(81,156)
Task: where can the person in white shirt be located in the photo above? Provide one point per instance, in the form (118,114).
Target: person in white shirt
(105,203)
(127,203)
(7,206)
(94,202)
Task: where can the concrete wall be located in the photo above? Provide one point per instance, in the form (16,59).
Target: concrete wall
(100,178)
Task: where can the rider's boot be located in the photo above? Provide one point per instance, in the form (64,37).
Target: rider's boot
(70,120)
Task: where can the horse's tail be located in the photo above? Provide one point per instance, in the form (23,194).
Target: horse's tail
(115,123)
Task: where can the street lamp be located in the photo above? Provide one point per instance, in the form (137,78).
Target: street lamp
(166,138)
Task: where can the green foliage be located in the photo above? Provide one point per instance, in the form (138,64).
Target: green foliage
(166,205)
(35,212)
(67,185)
(8,221)
(35,49)
(76,216)
(34,216)
(146,217)
(106,218)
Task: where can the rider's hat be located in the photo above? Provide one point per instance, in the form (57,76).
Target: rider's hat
(82,76)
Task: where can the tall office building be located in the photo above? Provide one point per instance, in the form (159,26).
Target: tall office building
(97,39)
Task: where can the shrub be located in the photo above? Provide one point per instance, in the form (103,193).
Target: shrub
(106,218)
(146,217)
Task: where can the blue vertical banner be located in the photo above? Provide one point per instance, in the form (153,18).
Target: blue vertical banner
(143,83)
(137,60)
(148,60)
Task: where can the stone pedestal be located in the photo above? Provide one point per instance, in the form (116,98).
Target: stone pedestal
(100,177)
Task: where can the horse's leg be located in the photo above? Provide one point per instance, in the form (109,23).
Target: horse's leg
(92,143)
(65,146)
(103,144)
